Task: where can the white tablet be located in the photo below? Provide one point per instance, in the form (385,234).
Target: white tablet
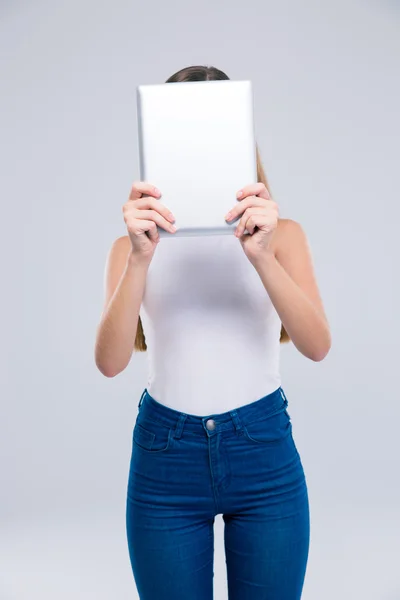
(197,145)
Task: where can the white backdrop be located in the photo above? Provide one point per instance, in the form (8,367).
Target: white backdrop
(327,99)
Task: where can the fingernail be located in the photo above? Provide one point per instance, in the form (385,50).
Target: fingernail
(171,217)
(157,191)
(173,228)
(228,216)
(239,194)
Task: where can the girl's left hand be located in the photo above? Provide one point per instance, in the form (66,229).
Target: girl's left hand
(260,219)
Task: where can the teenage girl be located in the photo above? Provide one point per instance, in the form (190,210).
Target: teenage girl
(213,434)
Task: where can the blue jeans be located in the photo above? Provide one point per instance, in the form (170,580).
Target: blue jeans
(185,469)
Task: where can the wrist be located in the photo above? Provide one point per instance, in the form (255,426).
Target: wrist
(138,261)
(264,259)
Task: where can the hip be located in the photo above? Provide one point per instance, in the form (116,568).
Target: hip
(226,459)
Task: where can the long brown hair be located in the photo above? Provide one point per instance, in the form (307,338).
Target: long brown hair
(205,73)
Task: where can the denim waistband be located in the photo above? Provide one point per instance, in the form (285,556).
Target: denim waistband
(266,406)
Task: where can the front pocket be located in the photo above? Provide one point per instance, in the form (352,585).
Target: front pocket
(152,436)
(270,430)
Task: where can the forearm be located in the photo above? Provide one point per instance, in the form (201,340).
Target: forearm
(307,328)
(116,331)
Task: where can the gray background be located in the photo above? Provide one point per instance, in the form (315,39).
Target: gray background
(327,98)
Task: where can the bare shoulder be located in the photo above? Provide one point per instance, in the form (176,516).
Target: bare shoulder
(120,247)
(115,264)
(293,252)
(288,234)
(118,254)
(122,242)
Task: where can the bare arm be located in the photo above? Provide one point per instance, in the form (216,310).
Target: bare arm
(125,279)
(288,276)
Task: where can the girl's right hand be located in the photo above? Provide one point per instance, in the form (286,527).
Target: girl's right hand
(142,213)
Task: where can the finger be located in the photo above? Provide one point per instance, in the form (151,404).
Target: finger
(262,222)
(245,204)
(250,220)
(256,189)
(152,215)
(143,187)
(141,226)
(151,203)
(152,232)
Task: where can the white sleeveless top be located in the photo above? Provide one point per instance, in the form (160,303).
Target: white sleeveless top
(211,330)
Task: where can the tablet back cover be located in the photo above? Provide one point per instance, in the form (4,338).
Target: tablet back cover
(197,145)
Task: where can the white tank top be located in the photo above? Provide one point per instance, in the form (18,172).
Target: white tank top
(211,330)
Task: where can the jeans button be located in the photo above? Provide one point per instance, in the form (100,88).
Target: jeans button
(210,424)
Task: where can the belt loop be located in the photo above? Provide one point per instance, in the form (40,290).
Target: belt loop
(179,425)
(141,397)
(236,420)
(283,396)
